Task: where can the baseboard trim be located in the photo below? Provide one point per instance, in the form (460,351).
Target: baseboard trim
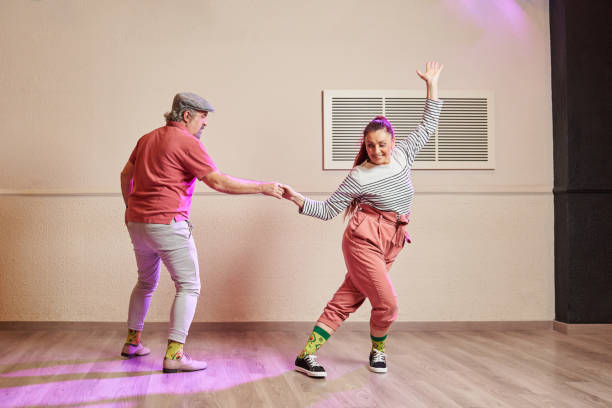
(568,328)
(288,326)
(473,325)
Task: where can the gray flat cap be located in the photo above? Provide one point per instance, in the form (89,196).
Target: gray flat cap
(190,100)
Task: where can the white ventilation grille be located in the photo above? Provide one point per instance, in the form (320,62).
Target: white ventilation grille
(464,139)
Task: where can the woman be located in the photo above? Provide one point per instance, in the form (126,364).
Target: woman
(377,195)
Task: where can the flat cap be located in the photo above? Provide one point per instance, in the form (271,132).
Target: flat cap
(190,100)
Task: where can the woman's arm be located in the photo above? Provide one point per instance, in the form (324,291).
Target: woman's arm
(328,209)
(431,114)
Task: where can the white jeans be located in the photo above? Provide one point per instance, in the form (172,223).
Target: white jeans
(174,246)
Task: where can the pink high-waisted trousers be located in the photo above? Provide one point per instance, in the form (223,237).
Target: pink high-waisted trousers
(371,242)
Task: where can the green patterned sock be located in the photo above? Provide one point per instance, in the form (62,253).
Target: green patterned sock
(174,350)
(315,341)
(378,343)
(133,337)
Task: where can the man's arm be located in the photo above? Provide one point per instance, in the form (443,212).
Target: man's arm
(126,181)
(231,185)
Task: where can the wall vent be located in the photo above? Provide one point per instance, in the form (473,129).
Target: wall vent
(465,132)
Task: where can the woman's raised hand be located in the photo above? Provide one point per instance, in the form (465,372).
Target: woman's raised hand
(432,72)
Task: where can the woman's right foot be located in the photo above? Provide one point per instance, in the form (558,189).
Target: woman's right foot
(310,366)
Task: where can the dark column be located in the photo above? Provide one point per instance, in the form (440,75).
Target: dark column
(581,53)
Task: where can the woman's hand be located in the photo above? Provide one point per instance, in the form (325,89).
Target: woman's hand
(432,72)
(292,195)
(431,75)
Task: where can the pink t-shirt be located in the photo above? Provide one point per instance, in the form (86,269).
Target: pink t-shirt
(167,163)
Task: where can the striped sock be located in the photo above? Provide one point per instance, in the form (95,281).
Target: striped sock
(174,350)
(378,343)
(315,341)
(133,337)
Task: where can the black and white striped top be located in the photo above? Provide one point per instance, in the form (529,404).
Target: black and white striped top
(386,187)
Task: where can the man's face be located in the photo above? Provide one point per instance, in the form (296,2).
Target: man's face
(195,123)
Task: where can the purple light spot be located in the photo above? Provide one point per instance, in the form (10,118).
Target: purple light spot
(492,16)
(121,382)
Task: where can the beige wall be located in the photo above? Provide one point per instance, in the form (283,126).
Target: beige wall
(82,81)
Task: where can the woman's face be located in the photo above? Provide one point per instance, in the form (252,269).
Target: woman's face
(379,145)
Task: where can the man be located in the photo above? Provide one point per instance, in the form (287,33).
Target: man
(157,184)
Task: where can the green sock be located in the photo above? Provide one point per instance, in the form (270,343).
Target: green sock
(378,343)
(133,337)
(315,341)
(174,350)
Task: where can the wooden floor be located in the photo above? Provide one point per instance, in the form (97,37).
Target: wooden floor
(543,368)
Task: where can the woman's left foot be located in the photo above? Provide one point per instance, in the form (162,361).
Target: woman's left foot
(378,361)
(131,350)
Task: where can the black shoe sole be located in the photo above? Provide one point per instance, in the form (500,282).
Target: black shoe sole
(126,355)
(178,370)
(313,374)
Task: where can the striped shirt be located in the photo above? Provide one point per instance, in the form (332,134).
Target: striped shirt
(386,187)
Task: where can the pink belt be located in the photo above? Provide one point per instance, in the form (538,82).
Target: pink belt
(391,217)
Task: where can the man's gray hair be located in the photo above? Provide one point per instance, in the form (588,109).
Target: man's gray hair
(177,115)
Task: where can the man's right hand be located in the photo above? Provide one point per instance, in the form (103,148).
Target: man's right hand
(273,189)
